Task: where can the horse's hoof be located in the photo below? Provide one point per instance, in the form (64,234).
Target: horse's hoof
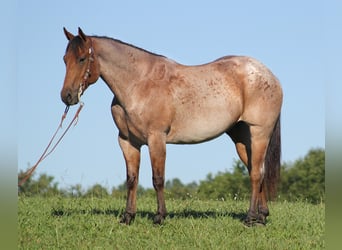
(258,220)
(158,219)
(248,223)
(251,222)
(261,220)
(127,218)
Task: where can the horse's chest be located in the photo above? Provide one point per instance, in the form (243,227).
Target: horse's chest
(137,126)
(129,123)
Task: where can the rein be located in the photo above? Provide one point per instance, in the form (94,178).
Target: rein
(46,153)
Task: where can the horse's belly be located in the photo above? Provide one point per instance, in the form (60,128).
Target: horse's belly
(195,130)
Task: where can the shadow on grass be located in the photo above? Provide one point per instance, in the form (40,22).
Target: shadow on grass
(186,213)
(206,214)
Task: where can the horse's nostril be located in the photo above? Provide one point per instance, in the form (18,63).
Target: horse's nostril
(66,97)
(69,97)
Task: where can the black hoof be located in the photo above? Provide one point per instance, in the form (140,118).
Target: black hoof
(158,219)
(127,218)
(260,220)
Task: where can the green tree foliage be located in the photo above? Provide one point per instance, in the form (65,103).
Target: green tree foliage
(44,185)
(97,191)
(177,190)
(226,185)
(302,180)
(305,178)
(75,191)
(121,191)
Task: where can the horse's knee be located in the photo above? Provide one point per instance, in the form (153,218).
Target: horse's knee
(131,181)
(158,182)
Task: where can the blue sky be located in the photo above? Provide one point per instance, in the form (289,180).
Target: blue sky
(287,36)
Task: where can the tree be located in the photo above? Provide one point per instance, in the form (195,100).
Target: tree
(305,179)
(44,185)
(121,191)
(226,185)
(176,189)
(302,180)
(75,191)
(96,191)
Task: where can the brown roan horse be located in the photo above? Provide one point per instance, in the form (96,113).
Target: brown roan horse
(158,101)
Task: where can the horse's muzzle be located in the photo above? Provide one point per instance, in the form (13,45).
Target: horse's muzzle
(69,98)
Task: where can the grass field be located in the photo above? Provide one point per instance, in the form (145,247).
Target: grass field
(92,223)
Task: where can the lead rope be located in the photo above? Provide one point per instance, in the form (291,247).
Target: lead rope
(46,153)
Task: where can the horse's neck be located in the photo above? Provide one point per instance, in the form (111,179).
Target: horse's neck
(121,65)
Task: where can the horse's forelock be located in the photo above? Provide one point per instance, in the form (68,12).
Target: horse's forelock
(75,44)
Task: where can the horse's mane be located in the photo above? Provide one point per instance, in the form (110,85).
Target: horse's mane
(128,44)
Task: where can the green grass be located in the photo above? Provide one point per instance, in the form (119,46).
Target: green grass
(92,223)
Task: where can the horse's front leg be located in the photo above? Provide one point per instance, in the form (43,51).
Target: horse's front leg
(157,149)
(132,158)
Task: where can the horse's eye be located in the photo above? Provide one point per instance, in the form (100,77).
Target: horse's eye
(81,60)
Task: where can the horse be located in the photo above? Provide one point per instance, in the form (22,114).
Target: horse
(158,101)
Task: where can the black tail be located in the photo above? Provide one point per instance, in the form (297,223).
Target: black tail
(272,161)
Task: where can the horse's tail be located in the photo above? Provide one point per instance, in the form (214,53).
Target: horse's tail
(272,161)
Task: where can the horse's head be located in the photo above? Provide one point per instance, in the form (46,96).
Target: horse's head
(82,67)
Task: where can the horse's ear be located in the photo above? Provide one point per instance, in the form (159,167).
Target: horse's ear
(81,34)
(68,35)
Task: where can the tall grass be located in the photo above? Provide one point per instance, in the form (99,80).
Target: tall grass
(92,223)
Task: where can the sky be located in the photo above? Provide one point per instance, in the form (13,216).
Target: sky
(287,36)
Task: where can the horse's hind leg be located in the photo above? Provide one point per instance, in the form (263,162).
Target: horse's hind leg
(262,205)
(251,151)
(258,210)
(132,158)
